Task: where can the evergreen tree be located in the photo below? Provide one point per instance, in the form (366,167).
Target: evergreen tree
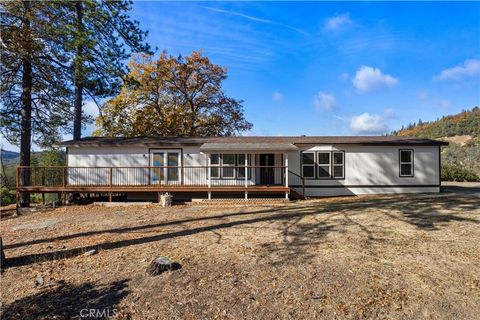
(34,89)
(99,36)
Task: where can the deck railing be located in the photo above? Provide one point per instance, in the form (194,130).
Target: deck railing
(207,176)
(297,182)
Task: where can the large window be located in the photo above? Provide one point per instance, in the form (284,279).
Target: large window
(308,164)
(323,165)
(228,166)
(323,161)
(406,163)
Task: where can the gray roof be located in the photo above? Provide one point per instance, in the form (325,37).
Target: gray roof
(248,146)
(295,140)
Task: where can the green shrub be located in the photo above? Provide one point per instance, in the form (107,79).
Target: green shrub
(7,196)
(456,173)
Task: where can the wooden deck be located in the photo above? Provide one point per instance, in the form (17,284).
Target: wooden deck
(122,180)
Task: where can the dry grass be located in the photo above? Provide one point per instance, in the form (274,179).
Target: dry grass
(398,257)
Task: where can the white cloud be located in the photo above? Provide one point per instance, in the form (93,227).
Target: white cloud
(324,101)
(277,96)
(369,79)
(337,22)
(469,69)
(367,123)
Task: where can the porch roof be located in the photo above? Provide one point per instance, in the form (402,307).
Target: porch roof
(247,147)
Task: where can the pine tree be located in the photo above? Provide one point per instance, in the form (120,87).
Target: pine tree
(35,94)
(99,36)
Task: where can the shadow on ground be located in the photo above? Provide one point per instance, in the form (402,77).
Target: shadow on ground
(429,213)
(69,301)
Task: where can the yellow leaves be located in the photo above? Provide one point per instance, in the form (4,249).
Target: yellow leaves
(172,96)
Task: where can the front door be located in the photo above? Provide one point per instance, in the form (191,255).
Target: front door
(267,175)
(168,162)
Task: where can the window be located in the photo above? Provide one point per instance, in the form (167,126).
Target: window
(228,166)
(172,162)
(406,163)
(323,160)
(308,164)
(241,166)
(323,165)
(338,165)
(215,162)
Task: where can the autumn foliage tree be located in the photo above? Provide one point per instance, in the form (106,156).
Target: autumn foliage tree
(171,96)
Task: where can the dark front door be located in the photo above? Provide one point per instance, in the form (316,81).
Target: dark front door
(267,175)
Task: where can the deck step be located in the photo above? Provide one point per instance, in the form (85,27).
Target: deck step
(297,195)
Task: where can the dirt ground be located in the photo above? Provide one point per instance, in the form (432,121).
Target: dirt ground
(395,257)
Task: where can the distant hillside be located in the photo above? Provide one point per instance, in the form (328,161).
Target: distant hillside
(10,156)
(465,123)
(461,159)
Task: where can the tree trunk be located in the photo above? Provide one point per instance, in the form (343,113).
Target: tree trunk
(26,128)
(78,77)
(77,122)
(2,256)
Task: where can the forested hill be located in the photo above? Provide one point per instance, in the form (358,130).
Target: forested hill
(464,123)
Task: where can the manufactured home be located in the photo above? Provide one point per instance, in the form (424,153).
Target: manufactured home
(242,167)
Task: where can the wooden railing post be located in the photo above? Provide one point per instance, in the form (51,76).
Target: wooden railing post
(303,186)
(149,175)
(110,177)
(64,169)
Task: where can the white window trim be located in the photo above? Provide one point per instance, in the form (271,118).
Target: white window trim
(329,164)
(338,165)
(314,164)
(411,163)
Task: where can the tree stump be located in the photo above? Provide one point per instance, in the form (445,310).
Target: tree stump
(166,200)
(160,265)
(3,261)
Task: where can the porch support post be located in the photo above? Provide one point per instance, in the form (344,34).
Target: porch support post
(209,175)
(286,173)
(246,171)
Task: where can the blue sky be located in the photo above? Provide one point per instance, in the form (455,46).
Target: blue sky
(334,68)
(331,68)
